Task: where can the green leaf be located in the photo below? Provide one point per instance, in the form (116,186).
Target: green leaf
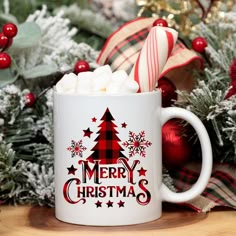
(6,77)
(8,18)
(29,34)
(40,71)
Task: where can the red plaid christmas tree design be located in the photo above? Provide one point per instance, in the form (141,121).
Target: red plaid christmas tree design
(107,149)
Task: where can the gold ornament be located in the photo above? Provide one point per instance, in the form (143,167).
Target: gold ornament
(218,9)
(180,8)
(178,13)
(153,6)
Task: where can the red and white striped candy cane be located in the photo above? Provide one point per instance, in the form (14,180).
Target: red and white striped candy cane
(152,57)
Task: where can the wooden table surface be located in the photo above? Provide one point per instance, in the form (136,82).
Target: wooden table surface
(37,221)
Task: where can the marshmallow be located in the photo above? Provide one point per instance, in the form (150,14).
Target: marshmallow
(116,82)
(113,87)
(85,75)
(84,86)
(84,83)
(119,75)
(101,81)
(101,78)
(129,86)
(67,84)
(103,70)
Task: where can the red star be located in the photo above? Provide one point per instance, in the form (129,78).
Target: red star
(121,204)
(98,204)
(142,172)
(123,125)
(87,132)
(71,170)
(109,204)
(94,119)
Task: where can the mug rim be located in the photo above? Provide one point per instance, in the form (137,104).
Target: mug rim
(157,91)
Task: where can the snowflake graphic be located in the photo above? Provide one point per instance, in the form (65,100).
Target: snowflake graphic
(76,148)
(137,144)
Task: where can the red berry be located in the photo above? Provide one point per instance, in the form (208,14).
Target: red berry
(81,66)
(29,99)
(5,42)
(5,60)
(160,22)
(199,44)
(9,30)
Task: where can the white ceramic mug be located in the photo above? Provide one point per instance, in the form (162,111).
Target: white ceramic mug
(108,158)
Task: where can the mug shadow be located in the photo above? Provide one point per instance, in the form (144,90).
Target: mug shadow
(173,216)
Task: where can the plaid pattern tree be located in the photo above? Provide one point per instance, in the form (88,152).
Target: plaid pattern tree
(107,149)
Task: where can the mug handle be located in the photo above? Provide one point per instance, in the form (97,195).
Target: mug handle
(199,186)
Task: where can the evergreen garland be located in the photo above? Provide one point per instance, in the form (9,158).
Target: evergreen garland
(8,174)
(26,154)
(209,99)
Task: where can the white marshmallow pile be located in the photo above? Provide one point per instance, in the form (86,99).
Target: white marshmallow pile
(100,81)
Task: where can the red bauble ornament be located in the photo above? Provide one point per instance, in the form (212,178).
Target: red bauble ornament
(9,30)
(5,60)
(176,149)
(81,66)
(231,92)
(168,91)
(199,44)
(232,74)
(29,99)
(5,41)
(160,22)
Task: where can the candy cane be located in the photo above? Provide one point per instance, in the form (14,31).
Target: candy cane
(152,57)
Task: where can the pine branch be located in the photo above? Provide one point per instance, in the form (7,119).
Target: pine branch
(10,188)
(88,20)
(39,182)
(208,100)
(26,163)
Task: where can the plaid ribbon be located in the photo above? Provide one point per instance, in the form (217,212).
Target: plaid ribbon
(220,191)
(122,48)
